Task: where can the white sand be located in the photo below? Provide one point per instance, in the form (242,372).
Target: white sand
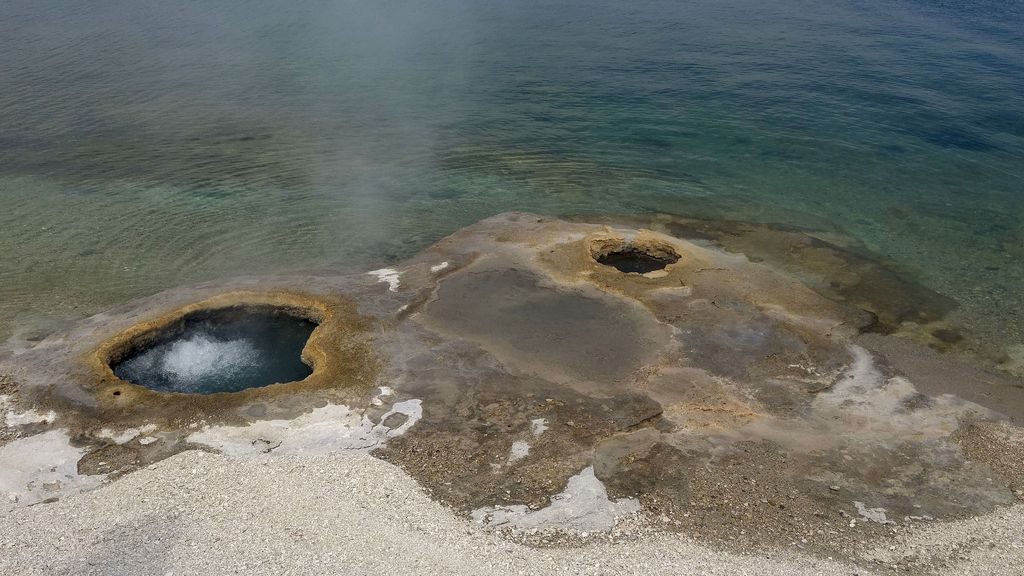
(199,513)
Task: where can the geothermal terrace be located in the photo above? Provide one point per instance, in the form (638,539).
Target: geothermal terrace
(529,395)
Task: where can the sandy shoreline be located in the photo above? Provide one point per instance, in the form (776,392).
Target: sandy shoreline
(201,513)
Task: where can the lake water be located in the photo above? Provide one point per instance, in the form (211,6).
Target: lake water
(146,144)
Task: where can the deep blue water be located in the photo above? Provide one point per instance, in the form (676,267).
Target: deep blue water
(221,351)
(145,144)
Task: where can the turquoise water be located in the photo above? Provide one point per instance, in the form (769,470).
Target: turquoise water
(146,144)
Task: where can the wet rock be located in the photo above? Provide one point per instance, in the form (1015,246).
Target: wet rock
(107,459)
(657,473)
(726,395)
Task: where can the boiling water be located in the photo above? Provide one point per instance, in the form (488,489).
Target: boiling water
(224,351)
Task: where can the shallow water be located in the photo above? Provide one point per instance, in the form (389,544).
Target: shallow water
(147,144)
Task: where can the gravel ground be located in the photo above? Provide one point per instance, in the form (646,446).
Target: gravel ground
(201,513)
(984,546)
(7,391)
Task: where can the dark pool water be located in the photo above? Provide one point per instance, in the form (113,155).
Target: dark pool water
(222,351)
(146,144)
(632,260)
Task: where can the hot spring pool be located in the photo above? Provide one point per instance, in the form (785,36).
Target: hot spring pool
(220,351)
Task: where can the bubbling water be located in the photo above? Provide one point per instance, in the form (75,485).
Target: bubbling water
(222,351)
(187,364)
